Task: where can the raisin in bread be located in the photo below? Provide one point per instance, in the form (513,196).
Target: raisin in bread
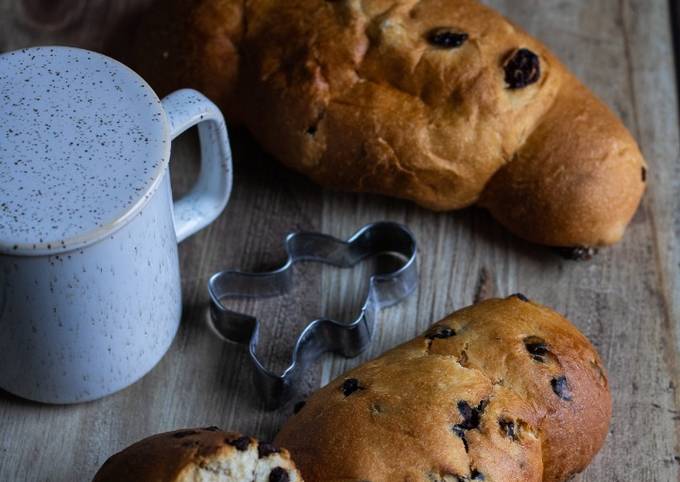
(202,454)
(505,390)
(444,103)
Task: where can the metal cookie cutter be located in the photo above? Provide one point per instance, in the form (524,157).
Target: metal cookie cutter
(321,335)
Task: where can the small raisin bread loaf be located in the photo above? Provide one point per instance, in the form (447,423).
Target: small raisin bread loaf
(444,103)
(202,454)
(505,390)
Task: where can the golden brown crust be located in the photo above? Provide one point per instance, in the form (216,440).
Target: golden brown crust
(516,394)
(353,94)
(567,180)
(175,457)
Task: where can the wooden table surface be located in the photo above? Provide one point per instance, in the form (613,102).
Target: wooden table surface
(627,299)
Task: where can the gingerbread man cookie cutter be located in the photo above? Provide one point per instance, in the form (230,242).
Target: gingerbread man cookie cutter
(322,335)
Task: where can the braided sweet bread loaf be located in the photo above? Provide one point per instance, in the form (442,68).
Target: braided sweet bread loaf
(505,390)
(200,454)
(442,102)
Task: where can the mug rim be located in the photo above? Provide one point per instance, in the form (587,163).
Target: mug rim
(87,238)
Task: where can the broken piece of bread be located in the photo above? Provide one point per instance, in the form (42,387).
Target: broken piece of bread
(199,455)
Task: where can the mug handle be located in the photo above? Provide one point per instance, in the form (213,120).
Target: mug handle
(199,207)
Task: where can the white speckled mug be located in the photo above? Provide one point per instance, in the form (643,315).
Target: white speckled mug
(89,278)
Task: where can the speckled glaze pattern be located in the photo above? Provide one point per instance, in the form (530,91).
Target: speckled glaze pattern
(90,296)
(88,322)
(107,137)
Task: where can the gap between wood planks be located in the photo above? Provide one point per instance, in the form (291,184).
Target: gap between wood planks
(674,6)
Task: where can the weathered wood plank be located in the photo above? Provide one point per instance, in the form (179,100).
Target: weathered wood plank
(627,300)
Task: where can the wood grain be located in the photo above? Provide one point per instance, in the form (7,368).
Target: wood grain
(627,299)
